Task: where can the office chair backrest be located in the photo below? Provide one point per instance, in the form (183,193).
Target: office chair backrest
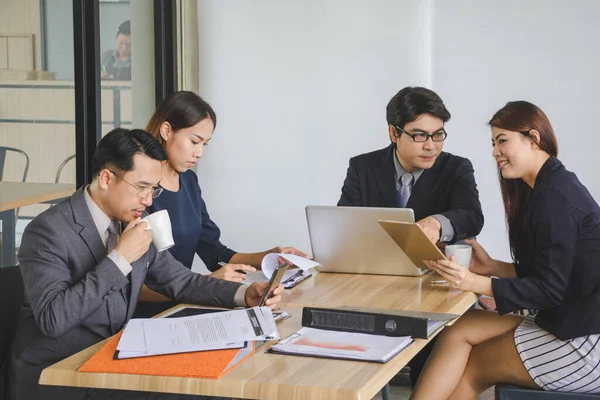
(11,297)
(61,166)
(3,151)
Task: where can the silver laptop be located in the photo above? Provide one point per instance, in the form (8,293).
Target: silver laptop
(350,240)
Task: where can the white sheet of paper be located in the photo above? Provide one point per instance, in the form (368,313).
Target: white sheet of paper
(133,342)
(132,338)
(357,346)
(131,354)
(271,261)
(174,334)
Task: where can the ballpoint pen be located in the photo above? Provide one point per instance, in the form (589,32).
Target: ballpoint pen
(293,277)
(296,279)
(222,264)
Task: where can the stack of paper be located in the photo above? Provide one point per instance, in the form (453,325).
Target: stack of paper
(222,330)
(343,345)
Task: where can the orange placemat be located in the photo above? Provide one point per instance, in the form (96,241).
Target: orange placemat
(202,364)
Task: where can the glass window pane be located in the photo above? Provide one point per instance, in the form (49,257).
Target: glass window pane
(37,112)
(127,63)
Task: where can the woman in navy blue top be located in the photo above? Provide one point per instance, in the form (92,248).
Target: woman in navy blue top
(554,233)
(184,123)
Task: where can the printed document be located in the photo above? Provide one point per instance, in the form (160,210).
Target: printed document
(223,330)
(342,345)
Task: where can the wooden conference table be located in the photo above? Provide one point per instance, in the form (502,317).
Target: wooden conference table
(14,195)
(270,376)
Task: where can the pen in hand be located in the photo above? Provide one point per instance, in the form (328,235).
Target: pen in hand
(222,264)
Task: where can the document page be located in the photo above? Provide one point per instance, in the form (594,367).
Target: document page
(224,328)
(271,261)
(343,345)
(133,343)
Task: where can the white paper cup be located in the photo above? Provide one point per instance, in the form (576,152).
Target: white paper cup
(160,224)
(461,253)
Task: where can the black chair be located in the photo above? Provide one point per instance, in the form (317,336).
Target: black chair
(505,391)
(11,297)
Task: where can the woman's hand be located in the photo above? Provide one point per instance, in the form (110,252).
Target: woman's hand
(481,262)
(229,272)
(288,250)
(456,275)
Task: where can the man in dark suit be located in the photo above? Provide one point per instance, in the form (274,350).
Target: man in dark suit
(82,276)
(414,172)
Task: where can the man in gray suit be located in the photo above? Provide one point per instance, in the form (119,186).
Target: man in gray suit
(83,277)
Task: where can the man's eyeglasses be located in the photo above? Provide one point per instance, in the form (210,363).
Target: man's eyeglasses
(142,191)
(438,136)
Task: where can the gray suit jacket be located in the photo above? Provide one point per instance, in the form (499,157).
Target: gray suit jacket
(76,296)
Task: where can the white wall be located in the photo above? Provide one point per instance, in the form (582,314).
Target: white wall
(299,87)
(489,52)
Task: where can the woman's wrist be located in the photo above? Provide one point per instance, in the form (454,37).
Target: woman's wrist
(276,249)
(482,285)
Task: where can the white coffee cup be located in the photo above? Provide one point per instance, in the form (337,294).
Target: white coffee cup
(160,225)
(461,253)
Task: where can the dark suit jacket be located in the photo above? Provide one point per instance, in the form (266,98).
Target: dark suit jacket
(448,188)
(76,296)
(558,273)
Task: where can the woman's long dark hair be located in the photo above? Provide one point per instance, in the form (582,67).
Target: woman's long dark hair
(181,110)
(523,117)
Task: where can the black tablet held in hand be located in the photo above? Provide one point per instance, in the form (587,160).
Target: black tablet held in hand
(273,282)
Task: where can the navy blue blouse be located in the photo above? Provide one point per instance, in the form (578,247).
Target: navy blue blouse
(193,230)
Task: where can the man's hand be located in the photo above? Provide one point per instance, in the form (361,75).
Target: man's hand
(135,240)
(255,292)
(432,227)
(229,272)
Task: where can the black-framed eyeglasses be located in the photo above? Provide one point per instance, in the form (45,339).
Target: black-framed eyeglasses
(141,191)
(438,136)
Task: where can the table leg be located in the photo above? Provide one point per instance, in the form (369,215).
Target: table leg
(7,250)
(385,392)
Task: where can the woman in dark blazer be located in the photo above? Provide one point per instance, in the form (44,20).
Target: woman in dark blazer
(184,123)
(554,232)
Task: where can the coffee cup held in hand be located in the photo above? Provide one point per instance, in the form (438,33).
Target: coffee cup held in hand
(160,224)
(461,253)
